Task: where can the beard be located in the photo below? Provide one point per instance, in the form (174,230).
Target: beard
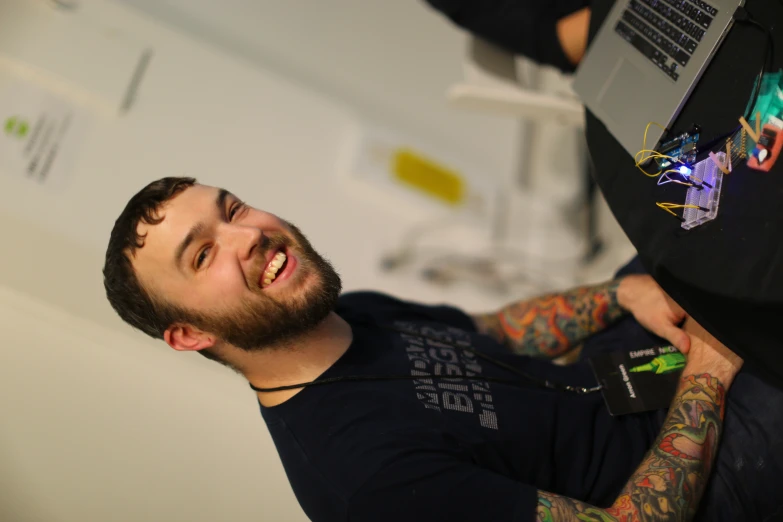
(262,320)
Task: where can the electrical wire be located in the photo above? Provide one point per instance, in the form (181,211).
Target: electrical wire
(707,147)
(669,206)
(769,52)
(651,153)
(769,55)
(736,146)
(664,179)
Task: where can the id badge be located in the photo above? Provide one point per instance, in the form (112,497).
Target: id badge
(640,380)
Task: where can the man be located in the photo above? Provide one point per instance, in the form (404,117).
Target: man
(426,413)
(552,32)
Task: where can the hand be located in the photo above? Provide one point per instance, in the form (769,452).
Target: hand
(653,308)
(710,355)
(572,33)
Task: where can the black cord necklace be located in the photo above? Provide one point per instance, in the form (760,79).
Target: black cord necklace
(541,383)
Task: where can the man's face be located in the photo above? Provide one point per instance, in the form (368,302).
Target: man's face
(214,258)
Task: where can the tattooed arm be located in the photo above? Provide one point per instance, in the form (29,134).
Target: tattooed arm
(669,482)
(551,325)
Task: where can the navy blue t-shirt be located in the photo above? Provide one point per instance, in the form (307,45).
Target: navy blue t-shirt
(436,450)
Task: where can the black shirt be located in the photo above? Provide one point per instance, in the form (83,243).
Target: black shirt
(525,27)
(430,449)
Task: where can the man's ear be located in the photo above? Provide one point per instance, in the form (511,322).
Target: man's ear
(186,338)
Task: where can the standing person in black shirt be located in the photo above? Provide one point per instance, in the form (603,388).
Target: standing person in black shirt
(420,412)
(549,32)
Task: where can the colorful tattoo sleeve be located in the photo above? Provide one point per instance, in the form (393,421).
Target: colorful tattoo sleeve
(551,325)
(671,479)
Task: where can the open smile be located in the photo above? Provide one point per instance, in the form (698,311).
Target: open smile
(278,269)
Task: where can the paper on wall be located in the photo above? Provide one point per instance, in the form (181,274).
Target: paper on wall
(41,133)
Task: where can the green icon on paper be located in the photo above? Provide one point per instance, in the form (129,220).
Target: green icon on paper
(16,127)
(670,362)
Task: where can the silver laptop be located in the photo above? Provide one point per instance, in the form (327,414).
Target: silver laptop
(646,59)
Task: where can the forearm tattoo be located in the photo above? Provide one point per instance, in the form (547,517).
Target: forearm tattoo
(671,479)
(551,325)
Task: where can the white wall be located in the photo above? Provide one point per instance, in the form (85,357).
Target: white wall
(101,427)
(101,424)
(390,61)
(204,113)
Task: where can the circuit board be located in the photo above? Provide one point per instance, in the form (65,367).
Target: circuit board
(702,201)
(682,148)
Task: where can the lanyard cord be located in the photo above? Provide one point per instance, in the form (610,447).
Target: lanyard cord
(542,383)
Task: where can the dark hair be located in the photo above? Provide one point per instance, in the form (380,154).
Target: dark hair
(135,304)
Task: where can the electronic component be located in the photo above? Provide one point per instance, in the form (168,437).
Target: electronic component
(701,201)
(682,148)
(767,150)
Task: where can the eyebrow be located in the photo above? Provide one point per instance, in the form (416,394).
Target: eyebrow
(198,228)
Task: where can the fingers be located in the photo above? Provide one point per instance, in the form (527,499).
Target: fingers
(677,337)
(685,343)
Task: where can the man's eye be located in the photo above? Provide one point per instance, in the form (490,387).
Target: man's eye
(233,211)
(202,256)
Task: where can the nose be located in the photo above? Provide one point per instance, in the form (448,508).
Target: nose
(246,240)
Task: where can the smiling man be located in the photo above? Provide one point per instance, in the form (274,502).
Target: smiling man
(383,409)
(258,286)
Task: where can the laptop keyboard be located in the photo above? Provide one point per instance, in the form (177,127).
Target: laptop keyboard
(667,32)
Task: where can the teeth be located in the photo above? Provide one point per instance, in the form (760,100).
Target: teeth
(274,266)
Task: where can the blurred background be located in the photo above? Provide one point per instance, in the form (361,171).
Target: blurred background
(421,162)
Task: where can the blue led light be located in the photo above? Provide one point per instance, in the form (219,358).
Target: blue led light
(685,171)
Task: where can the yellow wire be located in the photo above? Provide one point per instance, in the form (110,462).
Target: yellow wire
(669,206)
(675,205)
(647,129)
(651,153)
